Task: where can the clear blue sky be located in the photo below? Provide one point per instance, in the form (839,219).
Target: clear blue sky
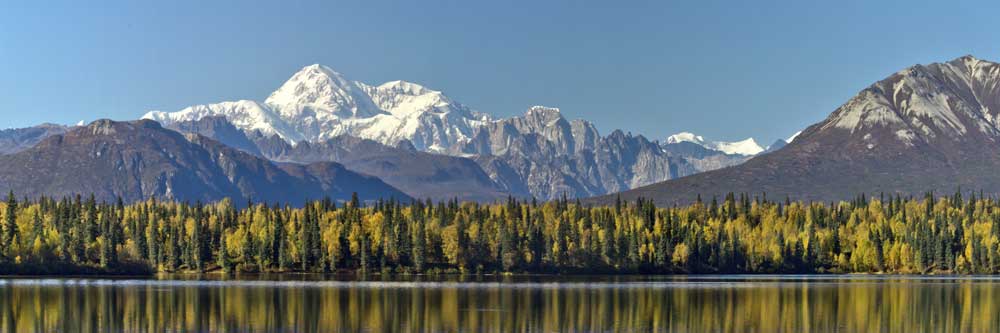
(726,70)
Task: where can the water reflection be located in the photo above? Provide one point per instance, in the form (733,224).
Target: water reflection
(670,304)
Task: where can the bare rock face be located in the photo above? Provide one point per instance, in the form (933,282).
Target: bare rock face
(703,159)
(926,128)
(539,155)
(219,129)
(548,156)
(419,174)
(140,160)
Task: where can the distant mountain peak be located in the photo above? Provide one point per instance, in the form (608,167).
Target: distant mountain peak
(548,115)
(746,147)
(318,103)
(686,137)
(969,61)
(543,109)
(317,90)
(320,72)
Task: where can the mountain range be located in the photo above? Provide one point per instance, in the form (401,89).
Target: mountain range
(926,128)
(139,160)
(420,174)
(318,103)
(17,139)
(540,154)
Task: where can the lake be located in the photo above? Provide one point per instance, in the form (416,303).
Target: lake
(310,303)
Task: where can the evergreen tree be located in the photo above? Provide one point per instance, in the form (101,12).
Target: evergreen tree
(10,224)
(419,242)
(225,262)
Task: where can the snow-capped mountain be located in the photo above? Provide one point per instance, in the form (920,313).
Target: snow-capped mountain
(318,103)
(247,115)
(792,138)
(747,147)
(539,154)
(686,137)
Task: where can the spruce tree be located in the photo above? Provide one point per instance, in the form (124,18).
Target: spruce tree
(9,225)
(419,241)
(107,242)
(225,262)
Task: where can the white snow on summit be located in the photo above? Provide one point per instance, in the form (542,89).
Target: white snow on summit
(686,137)
(318,103)
(792,138)
(746,147)
(246,115)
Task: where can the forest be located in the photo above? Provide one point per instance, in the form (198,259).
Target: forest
(738,233)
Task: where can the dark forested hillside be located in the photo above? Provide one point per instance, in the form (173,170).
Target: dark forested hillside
(725,235)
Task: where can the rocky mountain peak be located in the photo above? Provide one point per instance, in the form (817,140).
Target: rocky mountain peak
(318,103)
(102,127)
(319,91)
(931,104)
(925,128)
(108,127)
(544,112)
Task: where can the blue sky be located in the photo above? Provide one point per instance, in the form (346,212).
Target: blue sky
(726,70)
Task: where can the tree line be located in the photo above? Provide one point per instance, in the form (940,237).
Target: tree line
(738,233)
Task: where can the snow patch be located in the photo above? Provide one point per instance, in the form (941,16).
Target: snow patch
(745,147)
(686,137)
(792,138)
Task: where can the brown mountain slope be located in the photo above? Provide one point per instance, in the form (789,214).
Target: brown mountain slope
(926,128)
(419,174)
(139,160)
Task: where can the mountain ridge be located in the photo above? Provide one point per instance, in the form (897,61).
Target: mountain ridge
(317,103)
(539,153)
(926,128)
(139,160)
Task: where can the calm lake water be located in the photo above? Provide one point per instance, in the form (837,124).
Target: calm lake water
(306,303)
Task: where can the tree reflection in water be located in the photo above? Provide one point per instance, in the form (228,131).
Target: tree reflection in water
(738,304)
